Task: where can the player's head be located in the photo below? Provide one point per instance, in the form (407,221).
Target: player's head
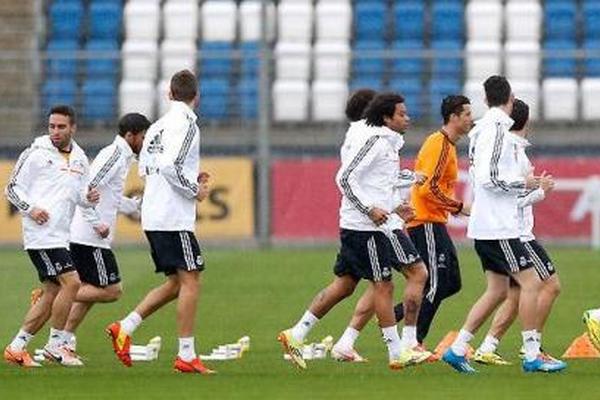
(184,87)
(498,92)
(357,103)
(520,114)
(456,112)
(62,124)
(132,128)
(388,109)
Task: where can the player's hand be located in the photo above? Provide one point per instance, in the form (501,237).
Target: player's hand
(203,177)
(546,182)
(39,215)
(93,195)
(378,216)
(203,191)
(103,230)
(406,212)
(420,178)
(532,182)
(466,210)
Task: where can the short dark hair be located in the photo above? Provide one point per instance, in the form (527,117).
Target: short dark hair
(383,105)
(134,123)
(497,90)
(357,103)
(519,114)
(65,110)
(184,86)
(453,104)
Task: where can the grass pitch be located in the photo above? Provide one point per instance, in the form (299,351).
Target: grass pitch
(258,293)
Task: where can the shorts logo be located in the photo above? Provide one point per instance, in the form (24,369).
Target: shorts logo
(411,258)
(441,261)
(58,267)
(199,261)
(386,272)
(112,277)
(550,266)
(522,261)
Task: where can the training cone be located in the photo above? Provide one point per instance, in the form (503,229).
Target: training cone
(581,347)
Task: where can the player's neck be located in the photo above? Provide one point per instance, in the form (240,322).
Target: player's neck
(451,133)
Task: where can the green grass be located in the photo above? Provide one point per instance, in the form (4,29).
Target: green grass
(257,293)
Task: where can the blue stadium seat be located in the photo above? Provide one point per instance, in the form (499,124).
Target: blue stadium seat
(592,62)
(438,89)
(591,20)
(105,20)
(99,100)
(218,62)
(444,66)
(61,58)
(102,66)
(560,20)
(214,98)
(412,66)
(58,91)
(375,83)
(247,96)
(560,66)
(370,22)
(66,20)
(447,21)
(80,2)
(250,59)
(409,21)
(412,91)
(365,65)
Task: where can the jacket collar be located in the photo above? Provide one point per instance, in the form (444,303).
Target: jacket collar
(495,114)
(123,145)
(179,106)
(45,143)
(519,140)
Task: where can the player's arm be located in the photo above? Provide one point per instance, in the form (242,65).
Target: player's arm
(129,205)
(172,169)
(531,197)
(21,179)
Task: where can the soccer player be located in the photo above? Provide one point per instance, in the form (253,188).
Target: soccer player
(90,249)
(170,161)
(591,319)
(48,181)
(494,224)
(506,314)
(371,242)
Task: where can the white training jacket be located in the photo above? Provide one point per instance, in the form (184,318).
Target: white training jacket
(370,176)
(107,174)
(170,162)
(43,178)
(529,198)
(496,178)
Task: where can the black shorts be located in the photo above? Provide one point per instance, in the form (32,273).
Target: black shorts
(50,263)
(95,265)
(173,250)
(503,256)
(541,261)
(372,255)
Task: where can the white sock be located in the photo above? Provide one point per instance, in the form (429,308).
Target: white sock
(304,325)
(69,337)
(531,344)
(595,314)
(459,347)
(21,340)
(538,336)
(56,338)
(187,352)
(489,345)
(130,323)
(392,341)
(409,337)
(348,338)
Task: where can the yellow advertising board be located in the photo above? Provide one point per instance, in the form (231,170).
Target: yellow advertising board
(227,213)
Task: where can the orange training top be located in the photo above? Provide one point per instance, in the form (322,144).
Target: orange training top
(434,199)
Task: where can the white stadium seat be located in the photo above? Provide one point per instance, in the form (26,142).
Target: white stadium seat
(142,20)
(329,99)
(290,100)
(484,20)
(137,96)
(332,60)
(140,59)
(522,60)
(180,19)
(474,91)
(590,99)
(250,21)
(219,19)
(483,59)
(176,55)
(560,99)
(529,92)
(333,20)
(294,21)
(292,60)
(523,20)
(162,96)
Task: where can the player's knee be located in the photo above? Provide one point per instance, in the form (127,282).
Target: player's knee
(553,288)
(71,283)
(418,274)
(114,293)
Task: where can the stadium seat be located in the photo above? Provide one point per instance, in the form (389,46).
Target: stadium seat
(215,94)
(66,20)
(105,20)
(219,20)
(290,100)
(522,60)
(162,96)
(99,100)
(333,20)
(523,20)
(142,20)
(58,91)
(375,83)
(250,20)
(438,89)
(250,59)
(412,90)
(329,99)
(137,96)
(216,59)
(370,22)
(560,99)
(140,58)
(473,89)
(558,62)
(529,92)
(591,20)
(590,99)
(180,20)
(294,21)
(592,60)
(447,21)
(292,60)
(104,58)
(365,65)
(448,61)
(483,59)
(560,20)
(484,20)
(175,55)
(332,60)
(247,90)
(62,62)
(408,63)
(409,20)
